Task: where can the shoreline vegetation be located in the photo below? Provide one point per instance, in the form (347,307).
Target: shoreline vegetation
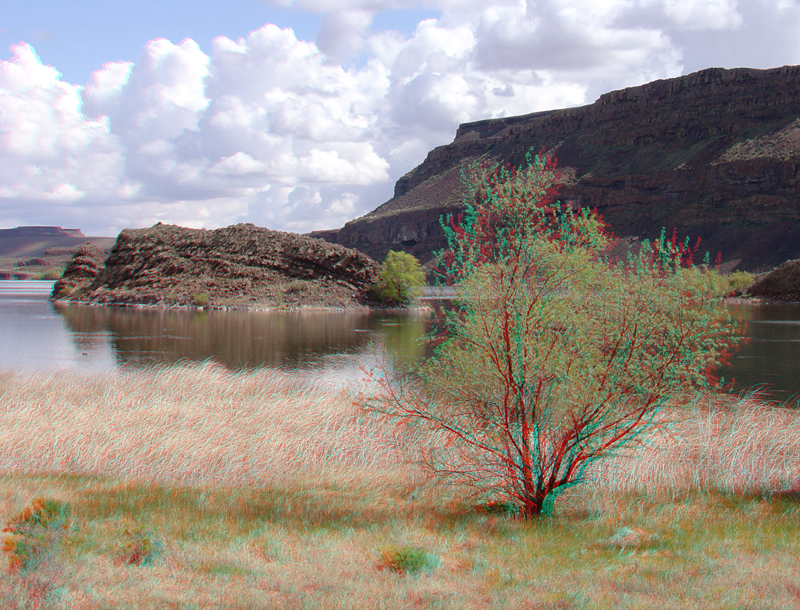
(195,487)
(253,307)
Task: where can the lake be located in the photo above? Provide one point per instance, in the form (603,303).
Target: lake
(334,346)
(328,345)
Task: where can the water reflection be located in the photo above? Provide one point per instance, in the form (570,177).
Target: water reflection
(339,344)
(32,334)
(330,345)
(246,340)
(770,357)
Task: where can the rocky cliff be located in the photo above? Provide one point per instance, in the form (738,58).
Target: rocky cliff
(83,268)
(240,265)
(714,154)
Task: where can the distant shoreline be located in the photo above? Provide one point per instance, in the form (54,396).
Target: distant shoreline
(430,293)
(243,308)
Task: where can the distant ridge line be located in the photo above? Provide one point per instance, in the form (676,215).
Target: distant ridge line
(44,230)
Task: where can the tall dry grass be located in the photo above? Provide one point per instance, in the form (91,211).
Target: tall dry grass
(196,425)
(243,543)
(204,425)
(717,443)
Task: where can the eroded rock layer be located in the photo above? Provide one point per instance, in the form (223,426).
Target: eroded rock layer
(83,268)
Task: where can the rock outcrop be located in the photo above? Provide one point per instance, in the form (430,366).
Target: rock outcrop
(714,154)
(780,284)
(82,269)
(238,266)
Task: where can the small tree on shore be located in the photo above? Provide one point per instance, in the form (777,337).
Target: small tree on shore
(402,278)
(553,356)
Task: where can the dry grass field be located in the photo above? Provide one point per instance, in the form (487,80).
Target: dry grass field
(192,487)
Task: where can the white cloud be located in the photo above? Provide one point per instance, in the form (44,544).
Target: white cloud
(341,34)
(49,151)
(710,14)
(25,71)
(344,205)
(300,135)
(238,165)
(158,98)
(355,164)
(65,192)
(105,85)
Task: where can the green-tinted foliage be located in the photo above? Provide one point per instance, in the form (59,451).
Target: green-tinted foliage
(405,559)
(739,281)
(52,274)
(732,284)
(201,299)
(33,532)
(137,547)
(554,356)
(401,278)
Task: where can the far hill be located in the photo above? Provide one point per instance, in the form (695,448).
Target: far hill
(33,252)
(714,154)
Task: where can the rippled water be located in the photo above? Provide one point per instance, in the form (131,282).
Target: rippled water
(333,345)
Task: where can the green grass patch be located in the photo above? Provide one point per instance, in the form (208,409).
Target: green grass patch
(405,559)
(709,550)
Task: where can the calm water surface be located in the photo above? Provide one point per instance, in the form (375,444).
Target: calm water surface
(35,334)
(769,359)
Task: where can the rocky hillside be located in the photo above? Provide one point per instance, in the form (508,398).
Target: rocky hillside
(240,265)
(714,154)
(780,284)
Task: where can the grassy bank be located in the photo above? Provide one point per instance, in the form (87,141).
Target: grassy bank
(196,488)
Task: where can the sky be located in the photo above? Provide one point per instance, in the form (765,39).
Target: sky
(299,115)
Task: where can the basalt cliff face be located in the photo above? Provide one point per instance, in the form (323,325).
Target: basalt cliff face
(714,154)
(238,266)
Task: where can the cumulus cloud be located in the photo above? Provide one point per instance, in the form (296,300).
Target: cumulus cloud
(238,165)
(709,15)
(300,134)
(765,37)
(342,33)
(51,155)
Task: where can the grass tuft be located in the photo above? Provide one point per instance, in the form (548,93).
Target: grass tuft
(404,559)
